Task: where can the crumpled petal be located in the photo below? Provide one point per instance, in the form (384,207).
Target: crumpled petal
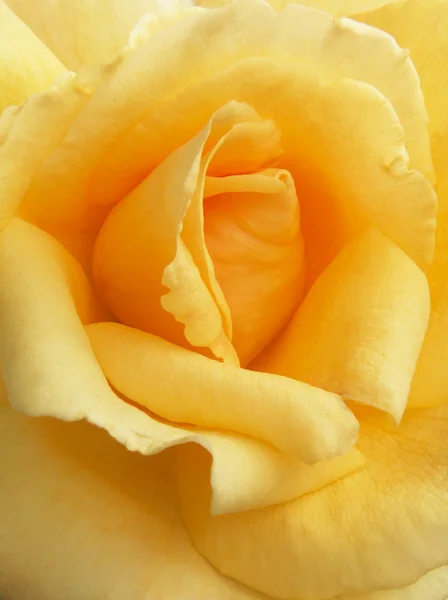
(81,32)
(359,330)
(82,517)
(50,370)
(421,27)
(291,416)
(27,66)
(382,527)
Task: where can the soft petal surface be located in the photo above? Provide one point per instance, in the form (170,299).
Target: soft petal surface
(382,527)
(82,517)
(26,64)
(252,231)
(421,27)
(83,32)
(121,142)
(337,8)
(360,329)
(49,369)
(433,586)
(292,416)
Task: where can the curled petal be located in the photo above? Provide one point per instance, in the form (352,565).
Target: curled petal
(360,329)
(380,528)
(291,416)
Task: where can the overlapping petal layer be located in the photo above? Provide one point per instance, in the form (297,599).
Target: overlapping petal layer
(50,369)
(120,142)
(383,527)
(81,32)
(421,27)
(27,66)
(360,329)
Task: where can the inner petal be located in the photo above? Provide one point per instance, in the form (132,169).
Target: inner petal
(252,231)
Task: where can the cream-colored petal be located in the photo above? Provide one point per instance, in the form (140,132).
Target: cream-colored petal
(301,50)
(359,330)
(28,133)
(382,527)
(185,387)
(421,27)
(50,370)
(81,517)
(433,586)
(83,32)
(337,8)
(27,66)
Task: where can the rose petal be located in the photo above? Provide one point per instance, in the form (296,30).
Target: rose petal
(337,8)
(359,330)
(49,369)
(83,32)
(121,142)
(26,65)
(81,517)
(432,586)
(183,386)
(252,232)
(421,26)
(382,527)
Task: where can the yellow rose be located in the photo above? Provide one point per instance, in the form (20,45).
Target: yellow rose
(220,238)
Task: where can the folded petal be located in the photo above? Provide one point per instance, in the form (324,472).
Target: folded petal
(83,32)
(50,370)
(359,330)
(82,517)
(122,141)
(293,417)
(380,528)
(26,64)
(421,27)
(252,231)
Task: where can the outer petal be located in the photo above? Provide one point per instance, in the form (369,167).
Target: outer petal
(81,517)
(433,586)
(380,528)
(86,31)
(337,8)
(26,64)
(121,142)
(360,329)
(421,26)
(49,369)
(291,416)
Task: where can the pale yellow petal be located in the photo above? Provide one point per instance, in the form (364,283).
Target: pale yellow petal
(359,330)
(185,387)
(27,66)
(433,586)
(50,370)
(82,517)
(421,26)
(337,8)
(28,133)
(83,32)
(122,141)
(382,527)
